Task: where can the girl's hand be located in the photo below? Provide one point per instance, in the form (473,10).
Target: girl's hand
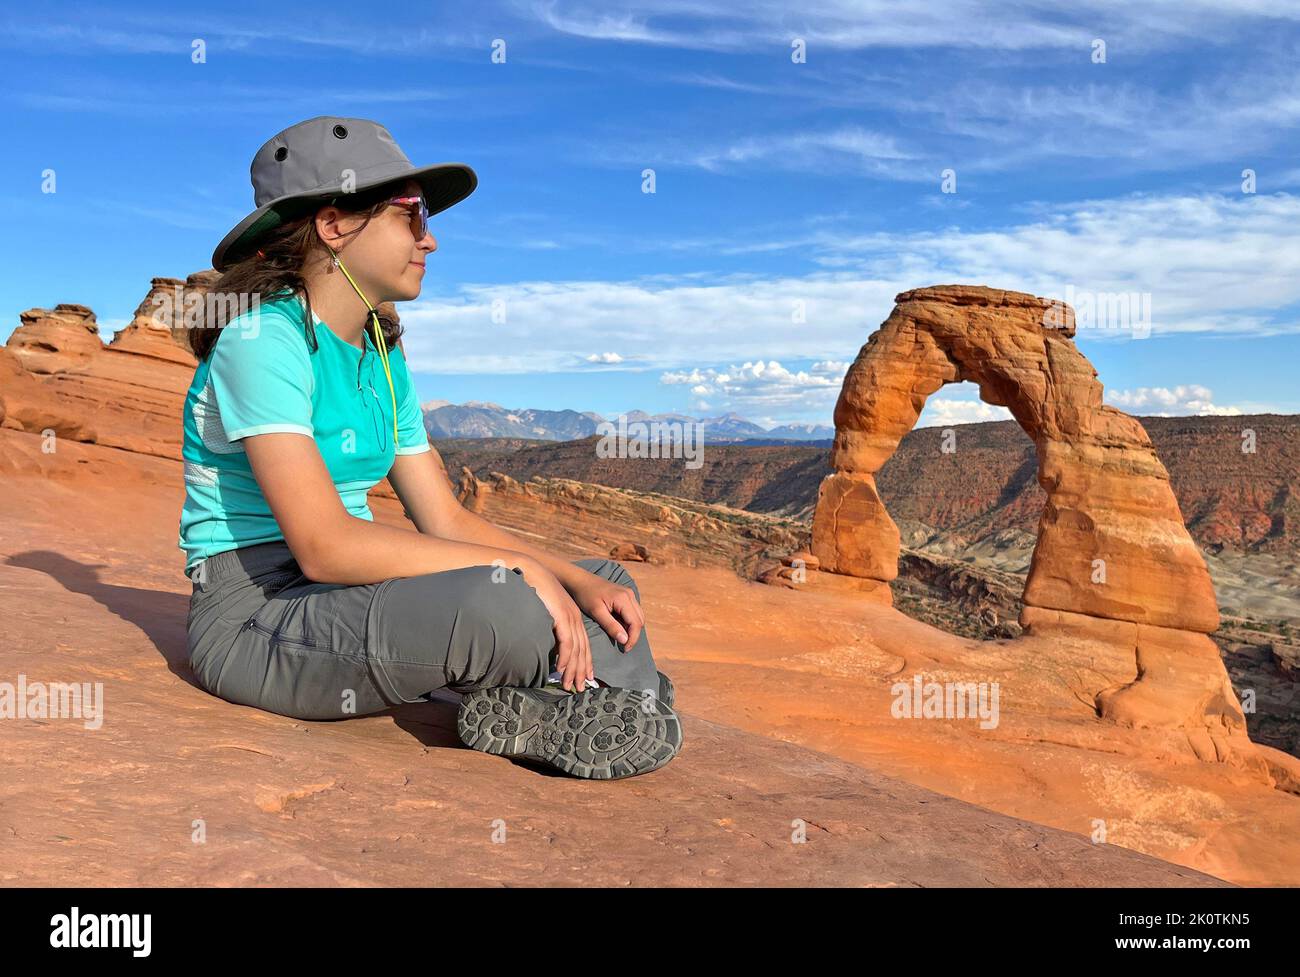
(573,659)
(611,605)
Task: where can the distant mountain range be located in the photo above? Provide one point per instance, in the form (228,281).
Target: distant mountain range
(483,419)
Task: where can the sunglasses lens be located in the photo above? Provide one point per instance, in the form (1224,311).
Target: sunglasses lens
(419,221)
(415,206)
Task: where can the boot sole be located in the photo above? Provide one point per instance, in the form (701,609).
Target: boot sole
(666,692)
(601,734)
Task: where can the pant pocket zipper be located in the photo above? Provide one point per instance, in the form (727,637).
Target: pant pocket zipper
(277,637)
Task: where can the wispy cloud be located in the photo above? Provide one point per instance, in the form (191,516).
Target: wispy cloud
(860,24)
(990,126)
(132,33)
(845,151)
(845,147)
(1126,125)
(180,216)
(112,97)
(82,37)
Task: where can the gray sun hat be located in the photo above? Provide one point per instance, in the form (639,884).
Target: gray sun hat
(301,168)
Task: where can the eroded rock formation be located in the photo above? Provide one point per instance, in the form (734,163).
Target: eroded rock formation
(57,375)
(1113,560)
(174,305)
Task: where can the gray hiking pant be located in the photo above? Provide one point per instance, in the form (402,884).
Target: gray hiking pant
(262,634)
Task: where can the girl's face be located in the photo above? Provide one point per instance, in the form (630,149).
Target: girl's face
(385,258)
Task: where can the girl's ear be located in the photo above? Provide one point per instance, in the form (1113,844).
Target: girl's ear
(329,219)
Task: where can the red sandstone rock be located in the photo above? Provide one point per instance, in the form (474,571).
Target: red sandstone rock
(178,306)
(60,341)
(1108,495)
(27,403)
(1111,546)
(633,552)
(803,578)
(127,394)
(802,558)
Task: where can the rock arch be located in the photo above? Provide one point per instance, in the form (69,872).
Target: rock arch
(1113,560)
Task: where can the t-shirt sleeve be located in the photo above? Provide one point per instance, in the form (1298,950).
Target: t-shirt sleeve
(412,438)
(262,377)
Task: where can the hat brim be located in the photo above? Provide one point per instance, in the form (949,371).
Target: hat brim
(443,184)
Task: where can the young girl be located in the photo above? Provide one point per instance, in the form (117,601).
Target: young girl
(302,604)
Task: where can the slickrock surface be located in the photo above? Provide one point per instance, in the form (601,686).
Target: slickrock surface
(395,799)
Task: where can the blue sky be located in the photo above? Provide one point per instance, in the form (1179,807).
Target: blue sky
(779,186)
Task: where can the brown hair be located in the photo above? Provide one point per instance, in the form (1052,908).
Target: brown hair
(275,269)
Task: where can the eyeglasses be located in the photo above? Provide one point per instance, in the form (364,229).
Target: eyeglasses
(419,214)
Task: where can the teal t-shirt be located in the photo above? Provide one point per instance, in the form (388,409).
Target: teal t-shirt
(260,377)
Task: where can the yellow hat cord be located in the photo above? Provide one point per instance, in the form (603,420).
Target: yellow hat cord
(380,345)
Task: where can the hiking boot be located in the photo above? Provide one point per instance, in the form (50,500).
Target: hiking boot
(603,734)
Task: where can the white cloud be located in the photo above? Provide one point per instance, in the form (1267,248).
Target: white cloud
(662,322)
(943,412)
(1219,264)
(604,358)
(767,385)
(1169,401)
